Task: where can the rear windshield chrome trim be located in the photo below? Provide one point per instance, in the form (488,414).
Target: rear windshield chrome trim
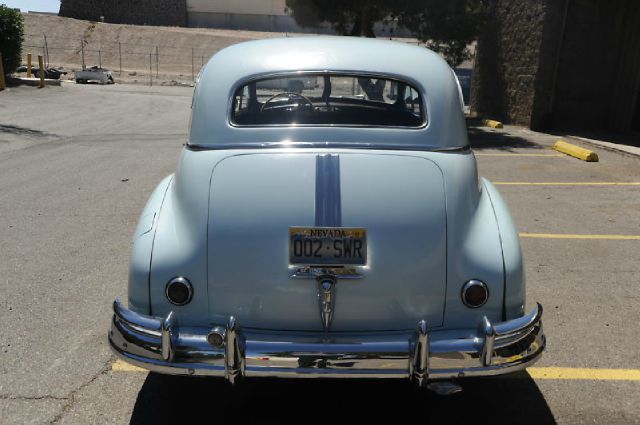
(351,73)
(326,145)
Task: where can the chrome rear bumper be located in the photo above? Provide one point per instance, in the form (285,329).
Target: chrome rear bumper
(161,345)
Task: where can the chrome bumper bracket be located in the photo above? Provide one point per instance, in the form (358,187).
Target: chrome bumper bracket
(167,331)
(419,367)
(233,352)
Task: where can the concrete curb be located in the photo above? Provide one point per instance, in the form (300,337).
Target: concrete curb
(575,151)
(612,147)
(492,123)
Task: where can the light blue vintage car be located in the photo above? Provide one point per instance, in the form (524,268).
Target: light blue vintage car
(334,229)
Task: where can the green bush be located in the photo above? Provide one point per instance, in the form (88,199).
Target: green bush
(11,36)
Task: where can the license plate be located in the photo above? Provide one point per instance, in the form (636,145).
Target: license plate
(327,246)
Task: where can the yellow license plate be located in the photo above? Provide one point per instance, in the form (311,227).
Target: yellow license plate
(327,246)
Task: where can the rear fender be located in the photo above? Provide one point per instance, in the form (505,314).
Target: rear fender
(142,248)
(514,280)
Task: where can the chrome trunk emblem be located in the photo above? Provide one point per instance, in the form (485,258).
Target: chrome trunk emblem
(326,297)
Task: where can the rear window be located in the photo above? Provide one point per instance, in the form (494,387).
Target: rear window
(328,99)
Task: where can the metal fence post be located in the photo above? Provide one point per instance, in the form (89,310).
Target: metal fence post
(46,48)
(157,59)
(120,56)
(84,66)
(41,71)
(99,59)
(151,69)
(3,85)
(193,74)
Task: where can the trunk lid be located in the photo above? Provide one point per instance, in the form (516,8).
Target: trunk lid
(256,198)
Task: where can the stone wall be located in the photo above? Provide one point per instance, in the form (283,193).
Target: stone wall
(137,12)
(507,60)
(571,64)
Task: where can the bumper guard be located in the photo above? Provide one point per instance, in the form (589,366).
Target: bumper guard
(160,345)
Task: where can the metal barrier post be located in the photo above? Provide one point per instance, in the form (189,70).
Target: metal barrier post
(120,55)
(41,71)
(3,85)
(29,75)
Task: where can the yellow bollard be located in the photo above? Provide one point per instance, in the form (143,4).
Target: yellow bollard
(41,71)
(3,85)
(28,65)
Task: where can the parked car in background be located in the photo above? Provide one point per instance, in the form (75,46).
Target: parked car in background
(336,230)
(94,73)
(52,73)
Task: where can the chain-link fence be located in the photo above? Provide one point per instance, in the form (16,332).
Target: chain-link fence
(129,61)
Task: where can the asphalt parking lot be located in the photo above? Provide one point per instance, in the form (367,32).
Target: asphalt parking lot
(77,164)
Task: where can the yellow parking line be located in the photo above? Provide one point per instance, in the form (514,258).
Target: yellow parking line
(573,373)
(121,366)
(569,236)
(567,183)
(553,155)
(568,373)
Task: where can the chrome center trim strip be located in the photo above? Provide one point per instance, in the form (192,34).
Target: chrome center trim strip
(328,199)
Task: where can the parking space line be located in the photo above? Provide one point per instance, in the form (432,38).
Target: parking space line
(574,373)
(567,373)
(570,236)
(567,183)
(122,366)
(548,155)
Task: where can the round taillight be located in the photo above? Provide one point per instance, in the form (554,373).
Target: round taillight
(179,291)
(475,293)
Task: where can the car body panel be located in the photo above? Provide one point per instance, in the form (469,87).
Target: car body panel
(418,66)
(514,279)
(259,196)
(142,249)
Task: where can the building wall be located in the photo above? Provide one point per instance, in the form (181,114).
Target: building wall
(507,60)
(599,67)
(571,64)
(138,12)
(249,7)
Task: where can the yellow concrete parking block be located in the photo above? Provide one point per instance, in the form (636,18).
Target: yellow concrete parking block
(567,183)
(575,151)
(571,236)
(492,123)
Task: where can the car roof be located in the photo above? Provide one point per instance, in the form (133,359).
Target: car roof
(236,64)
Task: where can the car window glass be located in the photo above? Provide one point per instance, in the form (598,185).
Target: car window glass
(328,99)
